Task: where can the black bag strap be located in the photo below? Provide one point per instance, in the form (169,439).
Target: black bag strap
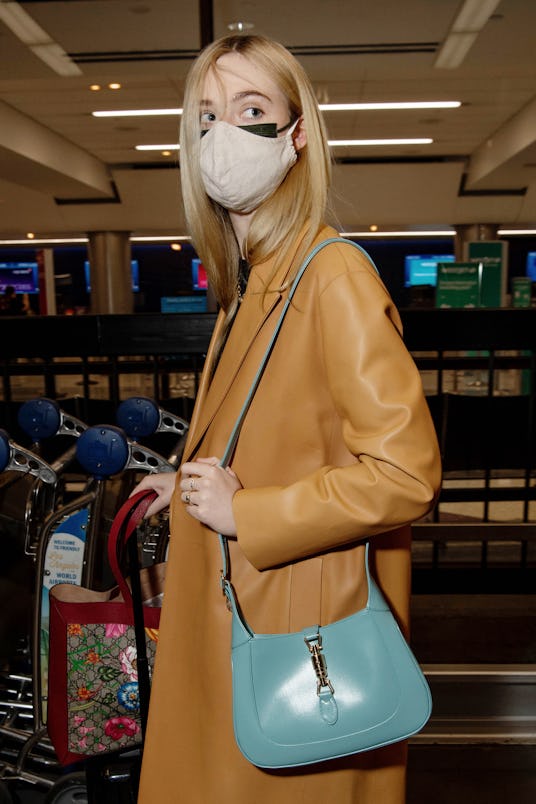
(142,662)
(123,533)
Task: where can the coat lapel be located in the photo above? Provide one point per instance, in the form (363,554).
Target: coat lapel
(212,391)
(204,384)
(253,312)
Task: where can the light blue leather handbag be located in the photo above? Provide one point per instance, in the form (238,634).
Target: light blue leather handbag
(327,691)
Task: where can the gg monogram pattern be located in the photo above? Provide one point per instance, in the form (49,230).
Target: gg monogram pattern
(102,686)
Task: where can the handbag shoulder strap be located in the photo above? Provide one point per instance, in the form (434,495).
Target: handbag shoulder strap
(231,444)
(233,438)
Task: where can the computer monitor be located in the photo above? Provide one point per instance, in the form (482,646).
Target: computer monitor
(199,275)
(134,269)
(23,276)
(421,269)
(531,265)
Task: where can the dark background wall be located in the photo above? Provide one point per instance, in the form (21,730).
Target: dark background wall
(165,272)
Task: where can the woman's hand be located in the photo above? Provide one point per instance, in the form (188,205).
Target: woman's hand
(208,491)
(164,484)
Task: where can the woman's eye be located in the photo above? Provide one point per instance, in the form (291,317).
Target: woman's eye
(206,118)
(253,113)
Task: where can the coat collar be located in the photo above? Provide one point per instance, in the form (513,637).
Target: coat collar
(256,307)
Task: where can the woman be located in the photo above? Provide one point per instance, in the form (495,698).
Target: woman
(337,447)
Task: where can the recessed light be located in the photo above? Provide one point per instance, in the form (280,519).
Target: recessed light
(30,235)
(95,87)
(114,85)
(240,27)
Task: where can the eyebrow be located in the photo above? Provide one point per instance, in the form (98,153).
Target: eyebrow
(247,93)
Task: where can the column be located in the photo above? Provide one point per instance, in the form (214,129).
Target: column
(110,272)
(466,233)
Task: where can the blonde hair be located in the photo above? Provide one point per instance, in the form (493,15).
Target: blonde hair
(301,198)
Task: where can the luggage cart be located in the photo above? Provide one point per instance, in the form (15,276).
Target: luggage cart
(141,418)
(17,738)
(35,487)
(112,462)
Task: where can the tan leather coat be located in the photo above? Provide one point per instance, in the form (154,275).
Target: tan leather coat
(337,447)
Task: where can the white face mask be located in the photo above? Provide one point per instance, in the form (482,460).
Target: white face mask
(241,169)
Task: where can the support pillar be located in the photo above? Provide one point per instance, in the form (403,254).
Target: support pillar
(471,232)
(110,272)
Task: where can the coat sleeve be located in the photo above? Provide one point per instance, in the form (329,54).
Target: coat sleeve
(392,474)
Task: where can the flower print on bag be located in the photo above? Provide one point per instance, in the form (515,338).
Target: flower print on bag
(102,680)
(119,727)
(114,630)
(128,695)
(128,659)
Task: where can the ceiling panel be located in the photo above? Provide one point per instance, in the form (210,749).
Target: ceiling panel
(354,51)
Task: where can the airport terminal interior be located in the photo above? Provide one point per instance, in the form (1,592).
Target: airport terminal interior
(430,108)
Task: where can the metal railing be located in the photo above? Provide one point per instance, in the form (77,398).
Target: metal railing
(478,369)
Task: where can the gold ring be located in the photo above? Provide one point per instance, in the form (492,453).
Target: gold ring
(187,498)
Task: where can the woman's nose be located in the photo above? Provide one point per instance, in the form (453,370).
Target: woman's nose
(227,117)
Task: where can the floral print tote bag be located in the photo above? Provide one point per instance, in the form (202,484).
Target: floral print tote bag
(94,693)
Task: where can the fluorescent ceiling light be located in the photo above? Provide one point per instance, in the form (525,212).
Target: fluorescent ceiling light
(334,143)
(38,40)
(468,23)
(422,233)
(516,231)
(56,58)
(173,147)
(324,107)
(397,141)
(158,238)
(137,113)
(363,107)
(454,50)
(68,240)
(474,14)
(45,241)
(403,233)
(22,25)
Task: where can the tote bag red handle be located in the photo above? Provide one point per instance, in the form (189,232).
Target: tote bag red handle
(127,519)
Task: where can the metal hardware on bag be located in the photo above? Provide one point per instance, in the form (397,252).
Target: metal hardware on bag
(319,663)
(224,581)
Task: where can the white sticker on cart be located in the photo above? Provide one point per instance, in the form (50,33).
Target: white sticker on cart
(65,551)
(64,561)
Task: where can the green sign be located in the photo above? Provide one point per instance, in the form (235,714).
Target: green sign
(521,291)
(458,284)
(491,254)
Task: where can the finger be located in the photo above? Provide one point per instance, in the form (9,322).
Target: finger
(190,483)
(186,498)
(198,468)
(212,461)
(141,486)
(194,468)
(155,508)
